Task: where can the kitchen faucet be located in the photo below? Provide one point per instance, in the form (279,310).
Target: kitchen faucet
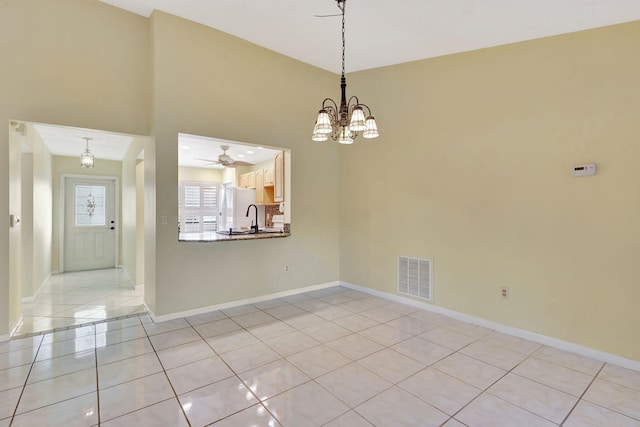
(255,226)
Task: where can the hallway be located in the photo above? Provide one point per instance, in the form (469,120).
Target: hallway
(81,298)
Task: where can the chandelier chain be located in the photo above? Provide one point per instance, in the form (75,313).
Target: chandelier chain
(343,37)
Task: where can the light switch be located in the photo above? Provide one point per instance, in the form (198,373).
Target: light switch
(164,219)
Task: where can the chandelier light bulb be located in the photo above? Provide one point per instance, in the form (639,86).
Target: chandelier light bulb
(323,124)
(357,123)
(345,136)
(319,137)
(371,130)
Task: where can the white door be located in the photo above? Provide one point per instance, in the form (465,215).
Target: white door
(89,224)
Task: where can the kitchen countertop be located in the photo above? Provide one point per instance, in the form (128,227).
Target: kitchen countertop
(215,237)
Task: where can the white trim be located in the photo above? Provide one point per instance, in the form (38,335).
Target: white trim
(61,208)
(138,287)
(202,310)
(35,296)
(521,333)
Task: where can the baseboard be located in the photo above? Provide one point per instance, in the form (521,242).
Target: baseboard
(138,287)
(124,271)
(35,296)
(16,326)
(510,330)
(202,310)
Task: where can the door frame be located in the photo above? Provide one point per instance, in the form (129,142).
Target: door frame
(61,213)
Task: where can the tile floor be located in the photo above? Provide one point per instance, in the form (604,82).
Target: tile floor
(79,298)
(333,357)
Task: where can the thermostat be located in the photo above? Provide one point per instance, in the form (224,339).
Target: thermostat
(588,169)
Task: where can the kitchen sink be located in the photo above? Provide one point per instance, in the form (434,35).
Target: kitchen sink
(236,231)
(233,231)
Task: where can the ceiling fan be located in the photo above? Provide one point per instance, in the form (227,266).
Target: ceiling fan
(226,160)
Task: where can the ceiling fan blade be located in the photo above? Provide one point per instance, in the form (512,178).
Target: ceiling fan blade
(240,163)
(217,162)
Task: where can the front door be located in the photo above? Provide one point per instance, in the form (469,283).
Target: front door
(89,224)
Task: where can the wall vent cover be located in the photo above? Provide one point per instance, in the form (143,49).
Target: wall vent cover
(415,277)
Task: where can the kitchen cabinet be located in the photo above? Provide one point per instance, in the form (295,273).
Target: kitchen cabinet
(268,177)
(278,178)
(251,180)
(259,177)
(264,193)
(242,180)
(247,180)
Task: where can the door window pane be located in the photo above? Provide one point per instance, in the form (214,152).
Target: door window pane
(90,205)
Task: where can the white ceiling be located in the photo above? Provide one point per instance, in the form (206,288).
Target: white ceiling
(200,147)
(383,33)
(69,141)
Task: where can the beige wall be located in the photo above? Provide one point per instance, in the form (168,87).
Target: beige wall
(26,224)
(473,170)
(186,173)
(70,62)
(42,193)
(43,215)
(130,221)
(139,223)
(36,215)
(230,79)
(15,233)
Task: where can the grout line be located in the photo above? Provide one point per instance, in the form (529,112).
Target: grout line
(175,395)
(235,373)
(95,353)
(13,415)
(582,395)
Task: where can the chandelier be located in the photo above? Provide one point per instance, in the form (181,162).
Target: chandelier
(343,123)
(86,158)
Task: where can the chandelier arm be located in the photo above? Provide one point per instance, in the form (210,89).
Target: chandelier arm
(335,106)
(367,107)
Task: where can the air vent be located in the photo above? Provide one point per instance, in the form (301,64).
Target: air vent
(415,277)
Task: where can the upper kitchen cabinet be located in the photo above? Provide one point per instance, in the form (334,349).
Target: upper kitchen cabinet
(268,177)
(247,180)
(242,180)
(278,177)
(264,192)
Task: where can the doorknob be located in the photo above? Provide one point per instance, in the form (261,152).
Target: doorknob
(113,228)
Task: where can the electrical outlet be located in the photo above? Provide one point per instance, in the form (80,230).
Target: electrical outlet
(505,293)
(286,268)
